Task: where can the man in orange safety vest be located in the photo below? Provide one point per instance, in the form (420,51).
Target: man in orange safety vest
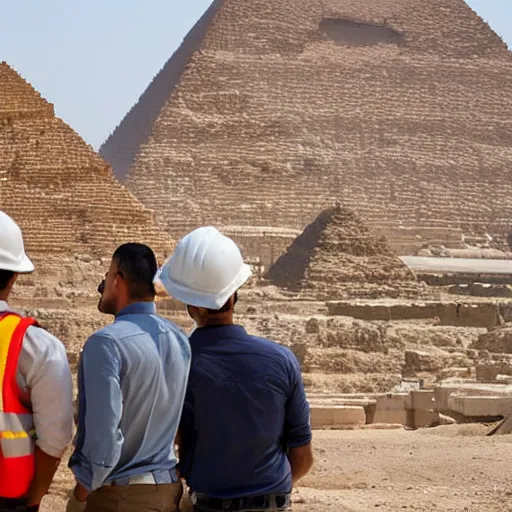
(36,408)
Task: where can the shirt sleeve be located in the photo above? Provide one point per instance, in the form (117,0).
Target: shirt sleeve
(99,439)
(44,367)
(297,424)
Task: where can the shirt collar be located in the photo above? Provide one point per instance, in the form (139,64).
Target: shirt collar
(5,308)
(218,331)
(138,308)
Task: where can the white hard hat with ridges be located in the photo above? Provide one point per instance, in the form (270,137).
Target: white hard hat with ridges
(205,270)
(12,249)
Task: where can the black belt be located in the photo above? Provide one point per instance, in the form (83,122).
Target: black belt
(205,502)
(15,505)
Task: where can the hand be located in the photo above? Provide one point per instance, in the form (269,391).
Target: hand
(74,504)
(80,492)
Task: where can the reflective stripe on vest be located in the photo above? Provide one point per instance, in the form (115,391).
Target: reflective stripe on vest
(8,326)
(16,435)
(17,461)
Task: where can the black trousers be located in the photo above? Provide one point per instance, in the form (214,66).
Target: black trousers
(15,505)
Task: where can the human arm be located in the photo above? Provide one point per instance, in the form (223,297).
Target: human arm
(44,369)
(301,461)
(297,425)
(46,466)
(99,439)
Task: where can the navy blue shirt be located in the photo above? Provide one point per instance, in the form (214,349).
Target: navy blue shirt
(245,405)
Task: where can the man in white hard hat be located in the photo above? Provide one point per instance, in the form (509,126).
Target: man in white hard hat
(36,404)
(245,434)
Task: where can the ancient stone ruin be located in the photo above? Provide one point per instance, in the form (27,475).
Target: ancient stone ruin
(338,257)
(64,196)
(271,110)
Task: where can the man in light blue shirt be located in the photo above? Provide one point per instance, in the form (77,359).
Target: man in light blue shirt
(131,385)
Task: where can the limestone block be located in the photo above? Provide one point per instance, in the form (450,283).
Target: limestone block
(443,392)
(469,315)
(337,416)
(443,419)
(424,418)
(441,396)
(422,399)
(383,426)
(392,409)
(498,340)
(391,416)
(481,406)
(396,402)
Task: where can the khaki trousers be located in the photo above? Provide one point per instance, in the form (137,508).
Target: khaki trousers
(136,498)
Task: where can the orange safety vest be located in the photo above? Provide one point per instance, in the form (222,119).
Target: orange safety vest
(17,460)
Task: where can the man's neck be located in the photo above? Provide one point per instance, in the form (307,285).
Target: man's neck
(217,320)
(125,304)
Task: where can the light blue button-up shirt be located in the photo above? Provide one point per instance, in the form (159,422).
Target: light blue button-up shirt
(132,379)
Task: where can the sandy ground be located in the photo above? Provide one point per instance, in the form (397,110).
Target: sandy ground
(448,469)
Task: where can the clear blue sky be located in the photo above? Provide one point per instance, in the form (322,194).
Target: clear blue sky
(93,58)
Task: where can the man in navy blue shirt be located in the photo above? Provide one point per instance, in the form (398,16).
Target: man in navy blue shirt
(245,434)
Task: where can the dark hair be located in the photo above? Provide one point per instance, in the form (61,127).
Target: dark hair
(224,308)
(137,264)
(5,277)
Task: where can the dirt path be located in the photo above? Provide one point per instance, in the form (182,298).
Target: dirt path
(449,469)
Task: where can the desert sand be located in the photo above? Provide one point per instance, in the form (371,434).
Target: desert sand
(449,469)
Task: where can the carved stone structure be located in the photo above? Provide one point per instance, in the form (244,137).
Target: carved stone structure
(64,196)
(271,110)
(337,256)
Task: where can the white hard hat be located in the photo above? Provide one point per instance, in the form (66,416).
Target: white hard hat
(12,250)
(205,270)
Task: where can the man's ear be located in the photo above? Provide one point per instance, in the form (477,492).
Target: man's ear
(11,282)
(119,281)
(196,313)
(14,278)
(191,310)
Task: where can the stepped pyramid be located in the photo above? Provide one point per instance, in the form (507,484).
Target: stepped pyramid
(272,109)
(64,196)
(338,257)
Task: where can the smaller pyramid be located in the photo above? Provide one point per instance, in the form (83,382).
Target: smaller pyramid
(63,195)
(338,257)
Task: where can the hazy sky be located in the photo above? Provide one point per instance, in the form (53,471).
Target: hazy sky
(94,58)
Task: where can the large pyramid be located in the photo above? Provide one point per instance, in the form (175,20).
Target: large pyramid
(338,257)
(272,109)
(64,196)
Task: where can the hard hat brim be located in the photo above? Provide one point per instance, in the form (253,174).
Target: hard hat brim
(25,266)
(198,298)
